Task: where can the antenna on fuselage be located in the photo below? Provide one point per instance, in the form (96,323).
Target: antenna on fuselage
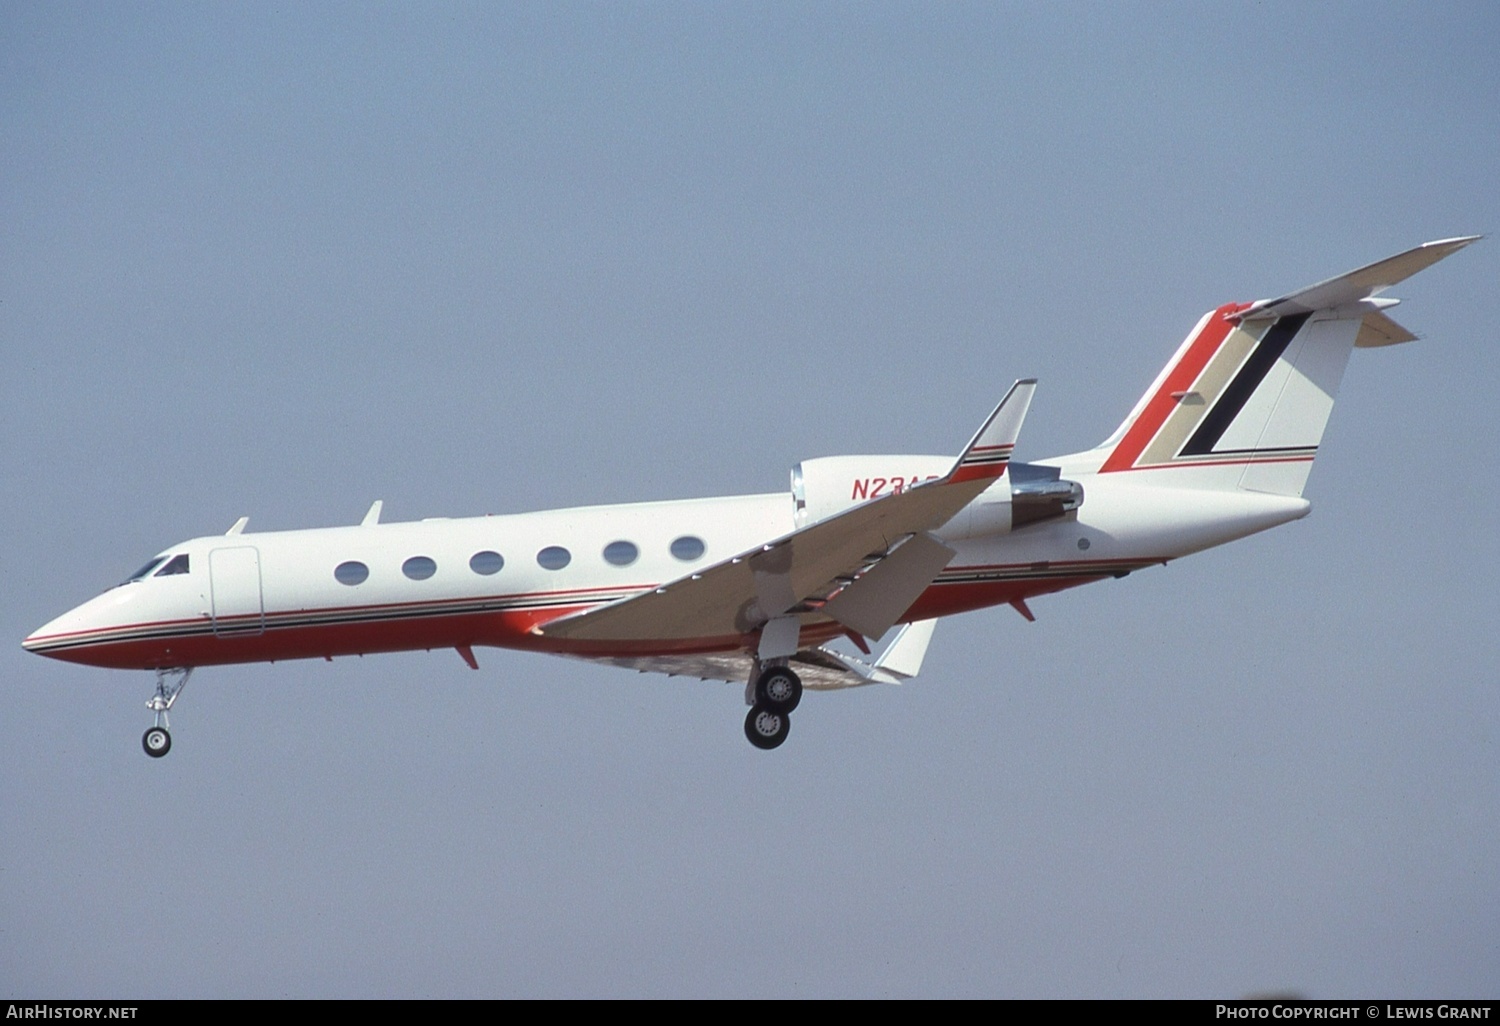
(373,517)
(239,525)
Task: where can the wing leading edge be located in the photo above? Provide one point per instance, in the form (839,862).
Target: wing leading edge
(855,567)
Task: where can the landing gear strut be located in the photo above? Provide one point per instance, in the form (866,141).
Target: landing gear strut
(776,692)
(169,684)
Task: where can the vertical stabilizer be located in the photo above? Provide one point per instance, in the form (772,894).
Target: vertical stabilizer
(1245,399)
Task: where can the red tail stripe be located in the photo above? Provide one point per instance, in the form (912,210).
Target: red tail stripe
(1179,379)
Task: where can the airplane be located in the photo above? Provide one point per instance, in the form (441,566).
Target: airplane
(755,588)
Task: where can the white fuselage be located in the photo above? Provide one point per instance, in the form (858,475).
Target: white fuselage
(434,583)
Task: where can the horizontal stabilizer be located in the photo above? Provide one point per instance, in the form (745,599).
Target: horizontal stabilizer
(1356,285)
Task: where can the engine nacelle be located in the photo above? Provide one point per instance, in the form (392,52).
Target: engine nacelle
(1025,494)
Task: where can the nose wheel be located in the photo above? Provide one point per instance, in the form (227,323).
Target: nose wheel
(169,684)
(157,742)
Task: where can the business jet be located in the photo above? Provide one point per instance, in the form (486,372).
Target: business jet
(755,588)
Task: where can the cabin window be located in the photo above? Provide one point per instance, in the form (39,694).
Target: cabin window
(351,573)
(486,562)
(554,557)
(419,568)
(177,565)
(621,553)
(145,570)
(688,548)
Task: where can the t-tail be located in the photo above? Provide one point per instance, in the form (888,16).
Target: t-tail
(1244,401)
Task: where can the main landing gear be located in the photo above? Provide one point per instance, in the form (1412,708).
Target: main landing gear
(169,684)
(772,695)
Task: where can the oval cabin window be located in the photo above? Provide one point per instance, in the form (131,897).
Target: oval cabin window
(554,557)
(486,562)
(351,573)
(419,568)
(621,553)
(688,548)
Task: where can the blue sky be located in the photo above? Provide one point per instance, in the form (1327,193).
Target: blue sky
(486,258)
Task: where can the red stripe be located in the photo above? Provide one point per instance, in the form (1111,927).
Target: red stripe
(978,472)
(1179,379)
(500,629)
(1050,564)
(271,616)
(969,473)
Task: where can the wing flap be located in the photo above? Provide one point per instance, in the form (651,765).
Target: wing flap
(876,600)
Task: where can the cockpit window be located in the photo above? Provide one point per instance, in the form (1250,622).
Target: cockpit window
(177,565)
(145,570)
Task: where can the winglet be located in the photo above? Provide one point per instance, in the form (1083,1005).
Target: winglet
(901,660)
(988,452)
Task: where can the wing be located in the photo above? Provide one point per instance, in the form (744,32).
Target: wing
(870,559)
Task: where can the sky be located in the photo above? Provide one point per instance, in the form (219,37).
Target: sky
(281,261)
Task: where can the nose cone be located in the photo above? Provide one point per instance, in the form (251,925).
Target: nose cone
(58,636)
(36,640)
(82,634)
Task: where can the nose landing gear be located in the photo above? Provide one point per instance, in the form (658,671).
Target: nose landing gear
(169,684)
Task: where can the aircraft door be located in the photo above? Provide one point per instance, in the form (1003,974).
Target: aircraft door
(234,579)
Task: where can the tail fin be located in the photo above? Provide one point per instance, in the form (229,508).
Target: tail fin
(1244,401)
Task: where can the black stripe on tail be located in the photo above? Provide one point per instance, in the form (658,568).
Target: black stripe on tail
(1239,391)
